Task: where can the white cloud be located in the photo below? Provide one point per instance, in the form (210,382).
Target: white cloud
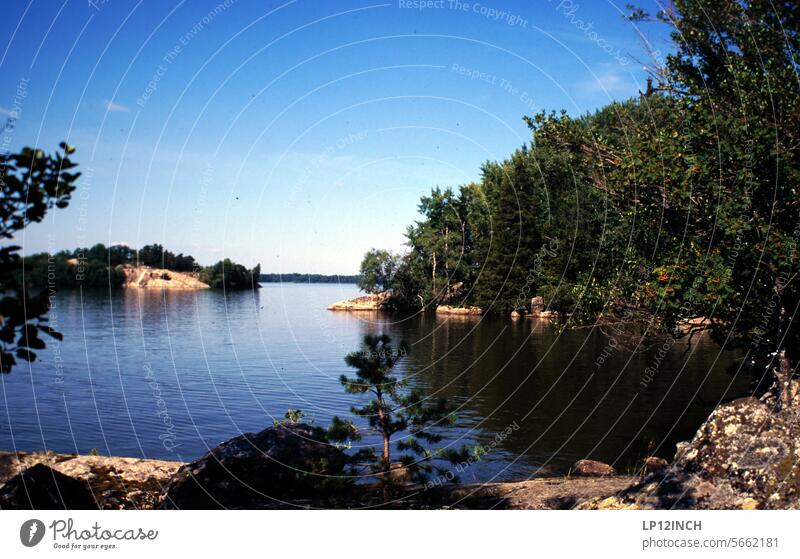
(7,112)
(612,82)
(115,108)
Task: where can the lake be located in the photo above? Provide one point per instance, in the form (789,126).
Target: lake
(172,374)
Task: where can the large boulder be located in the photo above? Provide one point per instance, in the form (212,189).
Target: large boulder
(41,487)
(281,464)
(753,448)
(743,457)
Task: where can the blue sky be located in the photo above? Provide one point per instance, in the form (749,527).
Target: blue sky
(294,134)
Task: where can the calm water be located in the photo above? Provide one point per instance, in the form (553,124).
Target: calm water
(170,375)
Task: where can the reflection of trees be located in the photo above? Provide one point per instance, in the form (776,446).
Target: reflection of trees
(565,403)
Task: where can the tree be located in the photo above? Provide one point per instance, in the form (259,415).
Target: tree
(734,78)
(378,269)
(120,254)
(442,243)
(31,184)
(229,275)
(513,191)
(393,408)
(152,255)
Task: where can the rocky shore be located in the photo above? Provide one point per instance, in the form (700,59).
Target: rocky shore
(146,277)
(745,456)
(111,482)
(459,311)
(372,302)
(136,483)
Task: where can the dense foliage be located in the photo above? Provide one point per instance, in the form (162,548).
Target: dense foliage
(31,183)
(678,204)
(226,274)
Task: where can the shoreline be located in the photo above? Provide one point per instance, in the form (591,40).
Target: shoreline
(714,470)
(138,483)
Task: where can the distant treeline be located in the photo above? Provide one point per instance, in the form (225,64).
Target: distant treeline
(307,278)
(101,266)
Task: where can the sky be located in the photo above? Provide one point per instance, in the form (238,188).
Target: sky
(294,134)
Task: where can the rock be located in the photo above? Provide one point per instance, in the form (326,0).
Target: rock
(654,464)
(117,483)
(751,447)
(160,278)
(680,449)
(537,304)
(593,468)
(41,487)
(283,463)
(609,503)
(461,311)
(372,302)
(749,504)
(515,315)
(742,457)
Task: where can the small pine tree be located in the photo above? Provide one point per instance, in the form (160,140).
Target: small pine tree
(393,408)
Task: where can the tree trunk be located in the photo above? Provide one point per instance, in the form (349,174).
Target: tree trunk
(783,378)
(387,457)
(433,274)
(783,372)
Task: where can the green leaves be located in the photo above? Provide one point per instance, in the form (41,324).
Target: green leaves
(32,184)
(229,275)
(392,408)
(378,270)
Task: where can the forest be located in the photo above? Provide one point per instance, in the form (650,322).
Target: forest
(677,205)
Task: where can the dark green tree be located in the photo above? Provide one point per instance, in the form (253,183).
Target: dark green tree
(378,269)
(393,408)
(229,275)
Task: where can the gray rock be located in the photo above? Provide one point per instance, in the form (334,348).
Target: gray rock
(287,462)
(41,487)
(751,447)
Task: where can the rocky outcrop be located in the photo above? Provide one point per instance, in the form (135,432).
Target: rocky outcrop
(745,456)
(753,448)
(41,487)
(116,483)
(372,302)
(286,462)
(459,311)
(160,278)
(593,468)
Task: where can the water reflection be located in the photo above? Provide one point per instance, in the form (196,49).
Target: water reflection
(171,374)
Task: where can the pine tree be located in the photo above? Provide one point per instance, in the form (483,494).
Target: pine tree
(393,408)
